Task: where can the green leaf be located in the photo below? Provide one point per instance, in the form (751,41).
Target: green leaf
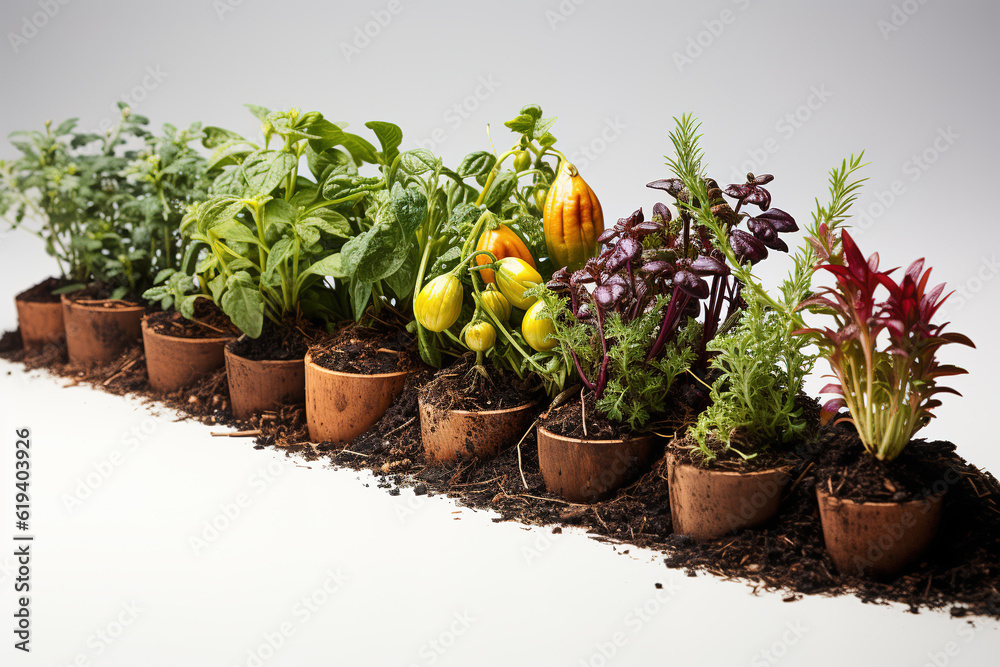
(233,230)
(339,186)
(229,182)
(503,186)
(376,253)
(522,124)
(217,136)
(428,350)
(215,286)
(418,161)
(409,206)
(542,126)
(162,275)
(66,126)
(280,252)
(186,305)
(329,221)
(243,304)
(532,110)
(279,217)
(328,266)
(321,164)
(530,122)
(265,170)
(361,293)
(258,111)
(390,136)
(476,164)
(230,153)
(546,140)
(331,135)
(401,280)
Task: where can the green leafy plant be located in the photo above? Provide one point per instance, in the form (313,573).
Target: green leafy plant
(68,188)
(164,180)
(760,362)
(40,193)
(267,236)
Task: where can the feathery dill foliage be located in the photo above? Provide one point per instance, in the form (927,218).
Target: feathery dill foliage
(762,365)
(638,387)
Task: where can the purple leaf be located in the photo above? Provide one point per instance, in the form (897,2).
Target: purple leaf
(704,265)
(692,284)
(747,247)
(661,212)
(608,295)
(674,186)
(781,221)
(657,267)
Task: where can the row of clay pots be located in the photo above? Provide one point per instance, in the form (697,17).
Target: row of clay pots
(341,405)
(705,503)
(864,539)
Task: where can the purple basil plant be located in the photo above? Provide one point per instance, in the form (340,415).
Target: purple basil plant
(642,260)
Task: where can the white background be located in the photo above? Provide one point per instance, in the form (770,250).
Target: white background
(781,87)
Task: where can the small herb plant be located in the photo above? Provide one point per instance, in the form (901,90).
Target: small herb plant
(889,387)
(69,189)
(266,234)
(165,179)
(762,363)
(40,193)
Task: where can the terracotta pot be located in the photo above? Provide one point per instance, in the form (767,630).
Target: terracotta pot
(257,386)
(450,435)
(173,362)
(584,471)
(41,322)
(876,539)
(706,503)
(342,406)
(97,334)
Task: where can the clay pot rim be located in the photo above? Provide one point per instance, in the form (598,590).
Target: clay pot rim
(263,362)
(311,364)
(563,438)
(98,309)
(822,494)
(672,457)
(523,406)
(34,302)
(180,339)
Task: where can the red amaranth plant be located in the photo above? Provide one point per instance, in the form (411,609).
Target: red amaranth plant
(888,388)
